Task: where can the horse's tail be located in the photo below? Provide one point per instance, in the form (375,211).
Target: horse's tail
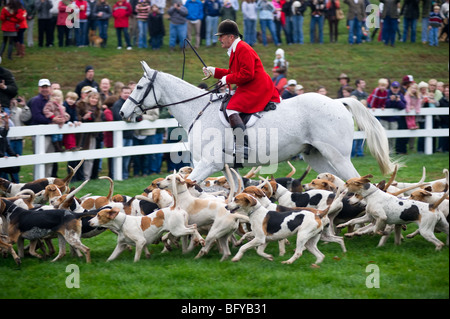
(375,134)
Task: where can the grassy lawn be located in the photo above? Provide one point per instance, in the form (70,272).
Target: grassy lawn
(412,270)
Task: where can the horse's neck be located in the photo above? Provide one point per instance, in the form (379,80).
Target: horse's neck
(176,90)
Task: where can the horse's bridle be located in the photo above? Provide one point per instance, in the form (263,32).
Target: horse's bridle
(149,88)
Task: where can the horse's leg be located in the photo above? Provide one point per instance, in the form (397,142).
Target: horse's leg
(203,170)
(326,158)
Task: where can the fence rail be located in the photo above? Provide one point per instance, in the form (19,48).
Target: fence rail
(40,157)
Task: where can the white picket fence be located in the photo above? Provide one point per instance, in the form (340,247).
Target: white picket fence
(40,158)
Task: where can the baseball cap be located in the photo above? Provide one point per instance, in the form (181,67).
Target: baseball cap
(87,89)
(88,68)
(44,82)
(292,82)
(407,79)
(395,84)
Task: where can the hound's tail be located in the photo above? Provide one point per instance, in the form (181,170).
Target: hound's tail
(375,134)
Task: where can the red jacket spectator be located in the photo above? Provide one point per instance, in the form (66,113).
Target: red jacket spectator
(377,99)
(23,24)
(10,20)
(121,11)
(63,13)
(82,4)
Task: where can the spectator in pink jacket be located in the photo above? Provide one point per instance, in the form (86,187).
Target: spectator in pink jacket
(56,112)
(413,102)
(121,11)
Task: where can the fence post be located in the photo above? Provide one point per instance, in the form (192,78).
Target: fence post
(118,161)
(428,140)
(39,148)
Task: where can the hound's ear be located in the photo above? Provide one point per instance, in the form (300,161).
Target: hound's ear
(251,200)
(146,68)
(365,179)
(180,179)
(113,212)
(260,193)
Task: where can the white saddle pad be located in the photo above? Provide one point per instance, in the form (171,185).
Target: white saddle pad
(255,117)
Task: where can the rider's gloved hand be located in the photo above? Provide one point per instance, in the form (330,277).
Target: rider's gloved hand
(223,80)
(208,70)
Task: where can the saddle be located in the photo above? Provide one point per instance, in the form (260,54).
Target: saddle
(249,119)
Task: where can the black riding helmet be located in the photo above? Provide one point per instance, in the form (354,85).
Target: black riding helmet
(228,27)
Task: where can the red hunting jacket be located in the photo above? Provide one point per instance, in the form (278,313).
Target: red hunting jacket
(255,88)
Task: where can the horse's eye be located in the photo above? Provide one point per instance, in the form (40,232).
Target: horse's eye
(138,87)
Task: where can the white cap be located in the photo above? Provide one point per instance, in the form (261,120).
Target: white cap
(280,52)
(292,82)
(43,82)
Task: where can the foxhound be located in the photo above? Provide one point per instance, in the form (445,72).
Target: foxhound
(273,226)
(141,231)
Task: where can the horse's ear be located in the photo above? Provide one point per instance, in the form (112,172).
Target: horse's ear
(146,68)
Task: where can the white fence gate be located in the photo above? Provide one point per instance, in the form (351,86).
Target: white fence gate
(40,158)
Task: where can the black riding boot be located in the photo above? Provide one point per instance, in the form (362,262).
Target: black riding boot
(240,137)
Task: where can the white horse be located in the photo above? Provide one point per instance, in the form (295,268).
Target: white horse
(318,127)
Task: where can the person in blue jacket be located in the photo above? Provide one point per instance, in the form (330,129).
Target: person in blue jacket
(194,17)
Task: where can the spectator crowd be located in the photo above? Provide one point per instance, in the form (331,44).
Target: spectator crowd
(88,102)
(140,23)
(406,95)
(91,101)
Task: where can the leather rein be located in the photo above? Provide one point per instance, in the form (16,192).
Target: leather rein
(151,88)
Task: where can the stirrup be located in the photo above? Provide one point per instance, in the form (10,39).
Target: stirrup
(233,152)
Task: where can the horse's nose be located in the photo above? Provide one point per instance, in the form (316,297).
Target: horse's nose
(121,114)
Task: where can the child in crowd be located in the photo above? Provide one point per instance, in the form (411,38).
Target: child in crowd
(227,11)
(377,98)
(279,59)
(55,109)
(322,90)
(434,23)
(143,10)
(347,91)
(69,140)
(121,11)
(413,102)
(156,28)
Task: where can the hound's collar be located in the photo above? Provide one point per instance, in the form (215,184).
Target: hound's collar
(370,194)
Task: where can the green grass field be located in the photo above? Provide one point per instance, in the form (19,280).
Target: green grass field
(412,270)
